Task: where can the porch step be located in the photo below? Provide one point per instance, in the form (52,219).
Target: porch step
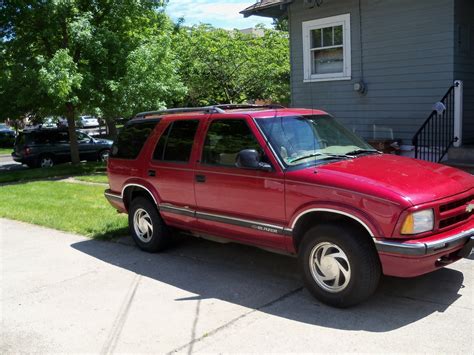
(461,158)
(467,166)
(464,153)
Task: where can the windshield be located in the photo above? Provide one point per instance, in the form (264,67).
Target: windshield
(309,139)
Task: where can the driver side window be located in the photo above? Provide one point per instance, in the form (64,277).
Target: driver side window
(225,139)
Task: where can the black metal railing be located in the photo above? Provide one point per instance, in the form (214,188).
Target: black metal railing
(434,138)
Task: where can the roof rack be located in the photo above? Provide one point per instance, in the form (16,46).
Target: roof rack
(206,109)
(244,106)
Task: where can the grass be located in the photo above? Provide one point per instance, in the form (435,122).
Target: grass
(6,151)
(97,178)
(56,171)
(75,208)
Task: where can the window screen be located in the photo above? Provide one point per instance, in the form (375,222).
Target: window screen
(225,139)
(176,142)
(131,140)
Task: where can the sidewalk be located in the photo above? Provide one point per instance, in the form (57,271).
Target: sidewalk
(65,293)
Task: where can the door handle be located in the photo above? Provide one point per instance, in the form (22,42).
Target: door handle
(200,178)
(151,173)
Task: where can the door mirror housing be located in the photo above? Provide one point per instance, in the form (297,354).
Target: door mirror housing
(250,159)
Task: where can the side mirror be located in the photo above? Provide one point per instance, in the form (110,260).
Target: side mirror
(250,159)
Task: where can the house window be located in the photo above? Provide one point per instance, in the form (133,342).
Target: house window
(327,49)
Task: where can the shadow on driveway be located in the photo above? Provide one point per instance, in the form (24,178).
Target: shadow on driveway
(270,283)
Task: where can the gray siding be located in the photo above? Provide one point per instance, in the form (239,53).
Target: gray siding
(464,61)
(407,57)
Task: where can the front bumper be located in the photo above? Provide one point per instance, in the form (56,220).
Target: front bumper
(418,257)
(421,248)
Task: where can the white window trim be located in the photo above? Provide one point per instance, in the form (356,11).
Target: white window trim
(345,21)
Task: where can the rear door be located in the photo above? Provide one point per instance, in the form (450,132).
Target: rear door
(171,169)
(235,202)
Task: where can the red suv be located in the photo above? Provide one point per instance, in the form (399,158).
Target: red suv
(293,181)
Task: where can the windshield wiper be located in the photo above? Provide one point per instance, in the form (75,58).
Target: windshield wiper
(326,156)
(362,151)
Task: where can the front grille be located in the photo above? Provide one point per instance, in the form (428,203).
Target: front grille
(454,212)
(455,204)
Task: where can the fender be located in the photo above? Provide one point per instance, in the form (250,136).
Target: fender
(362,218)
(144,185)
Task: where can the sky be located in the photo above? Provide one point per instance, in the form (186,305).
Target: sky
(219,13)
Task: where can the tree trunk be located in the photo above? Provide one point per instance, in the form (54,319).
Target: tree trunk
(112,128)
(71,123)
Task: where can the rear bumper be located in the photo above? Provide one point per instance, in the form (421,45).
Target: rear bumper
(115,200)
(418,257)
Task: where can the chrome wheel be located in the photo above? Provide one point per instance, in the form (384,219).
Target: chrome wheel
(330,267)
(142,225)
(46,162)
(104,156)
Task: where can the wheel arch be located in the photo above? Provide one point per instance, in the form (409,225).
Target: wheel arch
(318,215)
(133,189)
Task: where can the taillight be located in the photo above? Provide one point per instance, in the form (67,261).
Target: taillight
(27,150)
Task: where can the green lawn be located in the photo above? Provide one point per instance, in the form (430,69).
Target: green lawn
(97,178)
(56,171)
(6,151)
(76,208)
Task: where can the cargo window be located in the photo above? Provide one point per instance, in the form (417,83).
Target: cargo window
(176,142)
(131,140)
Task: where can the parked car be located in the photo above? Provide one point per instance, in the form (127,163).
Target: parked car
(47,147)
(297,182)
(87,122)
(7,136)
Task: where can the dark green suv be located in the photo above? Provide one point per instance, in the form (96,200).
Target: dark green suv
(47,147)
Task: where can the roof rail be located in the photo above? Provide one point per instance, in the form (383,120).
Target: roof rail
(206,109)
(244,106)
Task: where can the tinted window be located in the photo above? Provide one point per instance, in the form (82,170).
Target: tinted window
(131,140)
(83,137)
(176,142)
(225,139)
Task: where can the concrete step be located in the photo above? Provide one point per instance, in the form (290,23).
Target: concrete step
(466,165)
(464,153)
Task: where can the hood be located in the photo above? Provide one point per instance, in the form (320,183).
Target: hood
(103,141)
(386,176)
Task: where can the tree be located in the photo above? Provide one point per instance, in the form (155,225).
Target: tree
(219,66)
(68,57)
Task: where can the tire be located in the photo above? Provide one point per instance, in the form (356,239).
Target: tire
(103,155)
(45,161)
(156,236)
(343,280)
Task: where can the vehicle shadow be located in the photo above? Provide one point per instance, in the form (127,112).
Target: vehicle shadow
(270,283)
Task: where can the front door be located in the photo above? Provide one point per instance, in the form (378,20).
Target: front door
(233,202)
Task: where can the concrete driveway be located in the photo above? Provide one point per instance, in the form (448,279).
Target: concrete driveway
(8,164)
(65,293)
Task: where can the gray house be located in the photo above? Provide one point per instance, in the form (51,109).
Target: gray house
(380,66)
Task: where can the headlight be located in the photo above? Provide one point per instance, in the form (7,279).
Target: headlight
(418,222)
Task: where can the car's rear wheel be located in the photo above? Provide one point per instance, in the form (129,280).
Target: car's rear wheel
(340,266)
(148,229)
(46,161)
(104,155)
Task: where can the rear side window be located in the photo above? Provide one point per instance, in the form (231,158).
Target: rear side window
(131,140)
(177,141)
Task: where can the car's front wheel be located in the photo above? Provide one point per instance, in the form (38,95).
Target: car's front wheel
(148,229)
(104,155)
(340,266)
